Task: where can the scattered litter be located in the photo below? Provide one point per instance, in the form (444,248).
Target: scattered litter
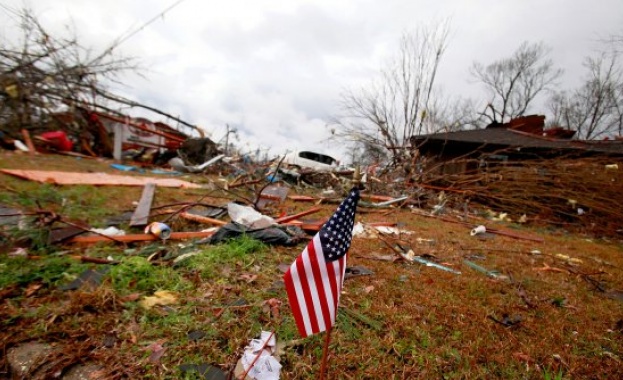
(90,278)
(357,271)
(491,273)
(411,257)
(276,235)
(96,179)
(478,230)
(159,230)
(179,165)
(258,360)
(367,231)
(19,252)
(109,231)
(569,259)
(160,298)
(126,168)
(248,217)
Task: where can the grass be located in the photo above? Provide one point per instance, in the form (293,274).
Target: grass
(404,322)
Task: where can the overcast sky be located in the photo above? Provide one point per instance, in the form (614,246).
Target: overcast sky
(274,69)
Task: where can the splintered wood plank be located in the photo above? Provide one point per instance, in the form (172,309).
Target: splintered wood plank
(139,237)
(141,213)
(96,179)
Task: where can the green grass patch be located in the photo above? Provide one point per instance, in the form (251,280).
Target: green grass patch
(51,271)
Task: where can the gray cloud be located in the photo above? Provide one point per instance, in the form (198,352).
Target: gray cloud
(275,68)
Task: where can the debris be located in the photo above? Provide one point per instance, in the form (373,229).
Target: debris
(478,230)
(286,219)
(272,194)
(58,235)
(491,273)
(159,230)
(258,360)
(160,298)
(385,203)
(202,219)
(126,168)
(96,179)
(140,237)
(109,231)
(428,263)
(179,165)
(90,277)
(275,235)
(411,257)
(248,217)
(569,259)
(141,213)
(357,271)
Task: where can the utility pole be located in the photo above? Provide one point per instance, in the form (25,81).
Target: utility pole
(227,139)
(229,130)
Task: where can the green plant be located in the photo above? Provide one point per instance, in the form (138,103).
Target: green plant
(138,274)
(547,375)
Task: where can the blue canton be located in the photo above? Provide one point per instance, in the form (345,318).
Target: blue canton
(336,234)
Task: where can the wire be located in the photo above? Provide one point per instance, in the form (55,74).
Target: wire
(121,39)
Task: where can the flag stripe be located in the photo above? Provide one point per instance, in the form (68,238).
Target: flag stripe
(307,297)
(314,280)
(319,280)
(291,277)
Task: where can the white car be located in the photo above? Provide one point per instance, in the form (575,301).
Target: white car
(312,160)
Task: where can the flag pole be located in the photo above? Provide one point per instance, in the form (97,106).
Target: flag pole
(325,353)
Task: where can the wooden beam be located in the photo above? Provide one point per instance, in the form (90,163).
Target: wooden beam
(296,216)
(140,237)
(141,213)
(202,219)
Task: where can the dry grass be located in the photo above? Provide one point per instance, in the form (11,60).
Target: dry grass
(433,324)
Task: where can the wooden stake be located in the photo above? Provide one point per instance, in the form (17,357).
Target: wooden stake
(325,354)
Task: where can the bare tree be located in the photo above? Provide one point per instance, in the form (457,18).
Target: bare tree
(41,72)
(595,109)
(388,112)
(513,83)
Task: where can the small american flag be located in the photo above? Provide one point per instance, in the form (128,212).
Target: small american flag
(314,280)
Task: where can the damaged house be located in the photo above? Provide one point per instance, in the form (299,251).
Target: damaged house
(522,138)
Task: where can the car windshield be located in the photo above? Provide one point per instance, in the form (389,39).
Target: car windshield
(324,159)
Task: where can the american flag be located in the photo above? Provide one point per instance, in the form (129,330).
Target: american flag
(314,280)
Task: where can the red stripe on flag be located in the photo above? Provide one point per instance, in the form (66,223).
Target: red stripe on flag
(300,266)
(322,292)
(294,303)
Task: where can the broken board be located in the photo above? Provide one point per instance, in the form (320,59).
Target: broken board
(96,179)
(141,214)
